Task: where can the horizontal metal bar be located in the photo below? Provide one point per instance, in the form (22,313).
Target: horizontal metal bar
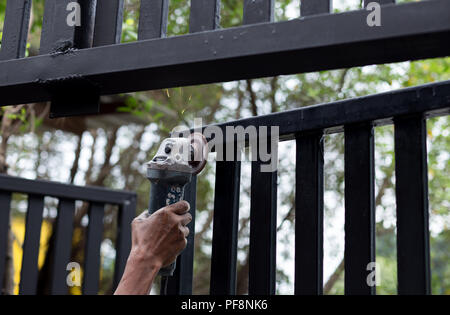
(410,31)
(430,99)
(46,188)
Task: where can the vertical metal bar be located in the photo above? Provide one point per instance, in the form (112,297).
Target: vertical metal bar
(29,271)
(181,282)
(5,208)
(126,214)
(108,22)
(63,245)
(381,2)
(15,29)
(258,11)
(84,34)
(313,7)
(309,215)
(57,34)
(359,208)
(204,15)
(92,252)
(263,220)
(153,19)
(225,228)
(413,249)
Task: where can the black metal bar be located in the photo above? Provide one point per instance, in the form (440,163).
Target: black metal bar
(225,228)
(29,271)
(181,282)
(431,99)
(63,245)
(263,221)
(186,261)
(309,215)
(58,190)
(15,29)
(413,249)
(204,15)
(5,208)
(153,19)
(382,2)
(359,208)
(258,11)
(84,34)
(313,7)
(108,22)
(92,253)
(127,212)
(57,35)
(283,47)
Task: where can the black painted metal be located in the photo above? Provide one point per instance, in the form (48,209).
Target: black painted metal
(284,48)
(317,41)
(413,249)
(258,11)
(108,22)
(153,19)
(382,2)
(225,228)
(204,15)
(59,190)
(15,29)
(63,245)
(127,212)
(5,201)
(313,7)
(263,225)
(91,277)
(29,271)
(380,109)
(359,208)
(67,194)
(309,215)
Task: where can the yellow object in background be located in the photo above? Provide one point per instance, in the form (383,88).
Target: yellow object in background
(18,228)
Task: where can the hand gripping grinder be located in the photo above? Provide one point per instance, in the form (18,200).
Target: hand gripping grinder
(172,168)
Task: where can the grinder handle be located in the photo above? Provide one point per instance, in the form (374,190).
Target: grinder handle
(161,195)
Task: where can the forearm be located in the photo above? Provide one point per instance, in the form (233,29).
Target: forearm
(138,276)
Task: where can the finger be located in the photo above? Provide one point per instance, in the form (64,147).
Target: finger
(186,219)
(185,231)
(144,215)
(179,208)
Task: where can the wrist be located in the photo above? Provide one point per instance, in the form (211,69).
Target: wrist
(144,260)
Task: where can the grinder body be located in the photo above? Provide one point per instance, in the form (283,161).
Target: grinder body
(167,188)
(172,168)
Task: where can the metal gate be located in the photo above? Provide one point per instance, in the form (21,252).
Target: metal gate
(91,58)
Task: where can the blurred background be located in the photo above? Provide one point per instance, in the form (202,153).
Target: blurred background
(111,149)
